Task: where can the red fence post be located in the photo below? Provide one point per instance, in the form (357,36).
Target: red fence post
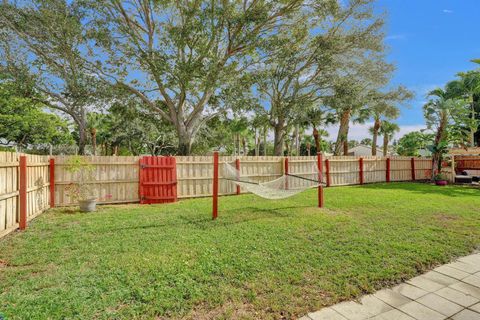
(140,179)
(174,179)
(360,167)
(52,183)
(23,193)
(388,170)
(215,186)
(412,161)
(285,171)
(327,171)
(237,166)
(320,178)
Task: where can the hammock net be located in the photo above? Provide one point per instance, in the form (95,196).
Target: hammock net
(283,187)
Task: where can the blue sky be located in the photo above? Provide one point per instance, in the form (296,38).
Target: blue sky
(429,42)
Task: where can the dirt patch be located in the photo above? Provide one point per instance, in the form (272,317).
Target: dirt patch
(228,310)
(445,219)
(442,217)
(3,263)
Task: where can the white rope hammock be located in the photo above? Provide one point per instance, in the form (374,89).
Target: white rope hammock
(283,187)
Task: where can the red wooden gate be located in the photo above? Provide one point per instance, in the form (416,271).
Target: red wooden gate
(158,180)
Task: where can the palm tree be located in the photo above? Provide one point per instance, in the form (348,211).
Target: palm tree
(380,111)
(261,123)
(388,130)
(316,118)
(467,87)
(94,121)
(439,112)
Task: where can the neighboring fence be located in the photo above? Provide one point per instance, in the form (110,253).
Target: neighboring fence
(117,178)
(466,163)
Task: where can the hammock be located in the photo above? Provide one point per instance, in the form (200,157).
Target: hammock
(286,186)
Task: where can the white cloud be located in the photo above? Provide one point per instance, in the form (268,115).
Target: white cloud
(447,11)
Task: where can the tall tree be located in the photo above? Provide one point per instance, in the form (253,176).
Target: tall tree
(467,87)
(326,42)
(385,106)
(441,114)
(42,44)
(178,56)
(388,130)
(94,120)
(24,123)
(354,93)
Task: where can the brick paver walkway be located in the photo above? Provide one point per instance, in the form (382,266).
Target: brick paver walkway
(451,291)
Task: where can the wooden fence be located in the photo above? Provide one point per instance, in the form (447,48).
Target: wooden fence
(117,178)
(35,196)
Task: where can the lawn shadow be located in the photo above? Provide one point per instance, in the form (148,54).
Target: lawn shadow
(226,218)
(205,223)
(425,187)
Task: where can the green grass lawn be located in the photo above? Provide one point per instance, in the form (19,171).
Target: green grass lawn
(260,259)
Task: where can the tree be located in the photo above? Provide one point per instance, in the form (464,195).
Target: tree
(384,106)
(179,57)
(467,87)
(24,123)
(366,141)
(411,143)
(260,124)
(94,120)
(127,126)
(322,47)
(315,118)
(388,130)
(445,116)
(42,44)
(353,94)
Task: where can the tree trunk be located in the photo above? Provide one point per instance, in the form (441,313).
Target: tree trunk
(184,143)
(376,127)
(439,137)
(244,144)
(82,138)
(316,137)
(256,143)
(257,149)
(297,141)
(342,136)
(265,141)
(308,148)
(345,148)
(385,145)
(93,133)
(279,138)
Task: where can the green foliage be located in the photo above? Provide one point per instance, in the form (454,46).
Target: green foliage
(172,261)
(84,177)
(411,143)
(440,177)
(24,123)
(43,42)
(366,141)
(192,57)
